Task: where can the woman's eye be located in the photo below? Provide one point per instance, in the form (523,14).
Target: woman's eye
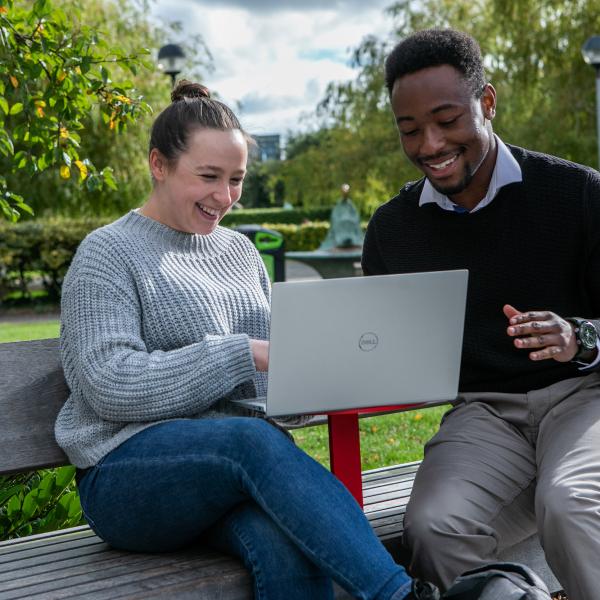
(208,176)
(409,133)
(237,181)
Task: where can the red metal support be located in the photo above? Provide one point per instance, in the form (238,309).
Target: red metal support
(344,451)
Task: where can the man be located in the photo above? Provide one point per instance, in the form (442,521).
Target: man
(520,449)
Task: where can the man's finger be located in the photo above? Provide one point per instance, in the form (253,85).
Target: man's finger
(534,328)
(530,316)
(547,352)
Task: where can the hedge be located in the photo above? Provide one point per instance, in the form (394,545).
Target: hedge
(296,216)
(43,249)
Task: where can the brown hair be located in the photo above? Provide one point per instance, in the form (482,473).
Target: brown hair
(191,108)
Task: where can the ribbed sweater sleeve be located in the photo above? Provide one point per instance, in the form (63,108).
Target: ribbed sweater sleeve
(123,381)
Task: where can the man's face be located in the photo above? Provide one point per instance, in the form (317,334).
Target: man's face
(445,130)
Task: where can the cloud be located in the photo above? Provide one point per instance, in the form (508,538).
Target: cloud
(278,6)
(275,59)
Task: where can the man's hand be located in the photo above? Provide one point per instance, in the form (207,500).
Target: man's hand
(260,353)
(549,335)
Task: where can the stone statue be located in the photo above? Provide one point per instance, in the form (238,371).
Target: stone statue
(344,225)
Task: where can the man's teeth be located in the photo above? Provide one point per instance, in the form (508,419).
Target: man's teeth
(444,164)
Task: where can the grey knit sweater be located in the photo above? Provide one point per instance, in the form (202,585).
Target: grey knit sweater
(156,326)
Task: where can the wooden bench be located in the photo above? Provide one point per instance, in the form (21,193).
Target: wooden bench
(75,563)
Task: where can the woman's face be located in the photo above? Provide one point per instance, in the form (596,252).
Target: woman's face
(194,193)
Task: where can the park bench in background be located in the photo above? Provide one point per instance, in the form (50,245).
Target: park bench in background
(75,563)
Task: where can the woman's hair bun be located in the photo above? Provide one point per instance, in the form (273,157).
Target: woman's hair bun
(188,89)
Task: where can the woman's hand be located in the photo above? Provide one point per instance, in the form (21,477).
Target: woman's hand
(260,353)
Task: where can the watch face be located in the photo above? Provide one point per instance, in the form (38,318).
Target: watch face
(587,335)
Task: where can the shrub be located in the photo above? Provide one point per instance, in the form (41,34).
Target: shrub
(276,215)
(43,248)
(38,502)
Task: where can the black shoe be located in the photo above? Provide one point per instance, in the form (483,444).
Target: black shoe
(422,590)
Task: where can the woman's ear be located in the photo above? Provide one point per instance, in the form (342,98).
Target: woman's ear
(158,165)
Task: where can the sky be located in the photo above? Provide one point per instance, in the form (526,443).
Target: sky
(273,59)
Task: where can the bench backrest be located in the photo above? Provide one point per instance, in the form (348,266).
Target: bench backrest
(32,391)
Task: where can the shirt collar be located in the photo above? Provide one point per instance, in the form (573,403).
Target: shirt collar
(506,170)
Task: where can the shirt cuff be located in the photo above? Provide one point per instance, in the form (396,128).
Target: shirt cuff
(584,366)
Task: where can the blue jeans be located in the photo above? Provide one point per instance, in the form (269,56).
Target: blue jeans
(241,485)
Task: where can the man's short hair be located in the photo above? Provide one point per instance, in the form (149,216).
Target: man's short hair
(435,47)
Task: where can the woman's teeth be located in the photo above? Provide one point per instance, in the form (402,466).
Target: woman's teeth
(209,211)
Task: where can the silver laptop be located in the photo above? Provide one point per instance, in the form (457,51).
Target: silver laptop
(361,342)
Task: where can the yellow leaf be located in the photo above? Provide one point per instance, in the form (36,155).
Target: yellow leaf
(373,428)
(65,172)
(111,124)
(418,417)
(61,76)
(78,70)
(40,111)
(64,133)
(3,10)
(14,81)
(82,169)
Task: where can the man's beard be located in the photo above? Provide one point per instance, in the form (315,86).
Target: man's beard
(461,186)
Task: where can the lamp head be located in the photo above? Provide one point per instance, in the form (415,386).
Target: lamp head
(591,51)
(170,59)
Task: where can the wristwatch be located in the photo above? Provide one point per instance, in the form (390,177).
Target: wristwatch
(586,336)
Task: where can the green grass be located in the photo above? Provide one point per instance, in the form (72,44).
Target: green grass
(30,330)
(385,440)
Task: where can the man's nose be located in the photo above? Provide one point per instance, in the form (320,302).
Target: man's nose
(432,143)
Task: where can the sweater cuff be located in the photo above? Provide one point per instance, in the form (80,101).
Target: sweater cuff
(238,366)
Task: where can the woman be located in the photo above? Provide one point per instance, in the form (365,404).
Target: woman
(165,318)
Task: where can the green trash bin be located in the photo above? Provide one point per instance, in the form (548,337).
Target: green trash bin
(270,245)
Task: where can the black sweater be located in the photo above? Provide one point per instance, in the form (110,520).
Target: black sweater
(536,246)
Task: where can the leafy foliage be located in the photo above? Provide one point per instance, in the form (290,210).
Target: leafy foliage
(38,502)
(54,72)
(44,248)
(532,54)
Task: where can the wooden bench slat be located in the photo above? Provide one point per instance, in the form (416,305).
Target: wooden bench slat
(109,565)
(32,391)
(155,572)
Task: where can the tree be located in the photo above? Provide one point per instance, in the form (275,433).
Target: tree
(54,72)
(532,56)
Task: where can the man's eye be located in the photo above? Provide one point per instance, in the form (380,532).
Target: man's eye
(409,133)
(448,122)
(208,176)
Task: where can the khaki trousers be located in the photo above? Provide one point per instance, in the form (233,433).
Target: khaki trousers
(502,466)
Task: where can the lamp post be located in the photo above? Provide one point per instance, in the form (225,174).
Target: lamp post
(170,60)
(591,55)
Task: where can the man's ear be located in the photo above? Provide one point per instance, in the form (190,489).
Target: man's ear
(158,165)
(488,101)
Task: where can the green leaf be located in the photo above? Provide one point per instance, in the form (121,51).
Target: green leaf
(13,506)
(7,493)
(16,108)
(30,504)
(64,476)
(4,104)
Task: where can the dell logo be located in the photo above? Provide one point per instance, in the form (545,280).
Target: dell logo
(368,341)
